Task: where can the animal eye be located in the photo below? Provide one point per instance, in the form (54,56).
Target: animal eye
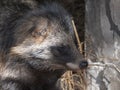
(42,32)
(38,33)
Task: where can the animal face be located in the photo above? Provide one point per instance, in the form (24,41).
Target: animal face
(45,41)
(36,46)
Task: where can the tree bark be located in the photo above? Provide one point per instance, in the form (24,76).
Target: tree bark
(103,44)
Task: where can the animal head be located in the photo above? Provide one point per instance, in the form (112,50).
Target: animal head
(44,38)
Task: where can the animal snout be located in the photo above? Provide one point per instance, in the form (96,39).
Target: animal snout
(76,66)
(83,64)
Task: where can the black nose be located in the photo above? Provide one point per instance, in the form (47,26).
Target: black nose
(83,64)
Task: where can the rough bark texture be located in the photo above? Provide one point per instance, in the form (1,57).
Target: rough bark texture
(103,43)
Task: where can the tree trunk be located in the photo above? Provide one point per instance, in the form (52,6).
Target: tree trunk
(103,44)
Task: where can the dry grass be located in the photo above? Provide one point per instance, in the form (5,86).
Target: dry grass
(73,81)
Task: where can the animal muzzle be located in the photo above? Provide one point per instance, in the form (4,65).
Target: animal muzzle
(83,64)
(76,66)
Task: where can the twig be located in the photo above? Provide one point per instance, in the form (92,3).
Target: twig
(77,37)
(106,65)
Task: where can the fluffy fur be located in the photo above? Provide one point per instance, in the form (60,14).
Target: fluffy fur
(36,47)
